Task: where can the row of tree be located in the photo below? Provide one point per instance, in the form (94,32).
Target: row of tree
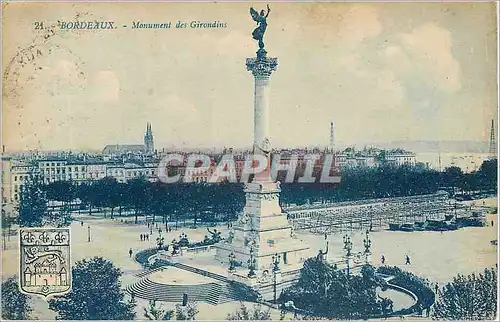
(389,181)
(211,202)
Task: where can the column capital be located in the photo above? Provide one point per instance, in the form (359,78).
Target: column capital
(262,67)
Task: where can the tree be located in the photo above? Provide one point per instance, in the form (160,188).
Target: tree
(15,305)
(87,194)
(187,312)
(157,313)
(243,313)
(64,191)
(135,192)
(472,297)
(487,174)
(323,290)
(452,176)
(32,204)
(6,225)
(96,294)
(112,193)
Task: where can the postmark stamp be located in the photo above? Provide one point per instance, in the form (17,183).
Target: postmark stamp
(29,62)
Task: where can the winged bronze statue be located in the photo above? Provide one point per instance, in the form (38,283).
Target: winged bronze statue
(261,20)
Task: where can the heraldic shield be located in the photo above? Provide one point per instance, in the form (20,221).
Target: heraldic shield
(45,266)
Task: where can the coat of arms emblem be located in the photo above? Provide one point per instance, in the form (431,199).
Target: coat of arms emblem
(45,267)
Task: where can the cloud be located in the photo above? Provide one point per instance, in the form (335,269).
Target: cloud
(359,23)
(180,107)
(105,86)
(430,51)
(396,58)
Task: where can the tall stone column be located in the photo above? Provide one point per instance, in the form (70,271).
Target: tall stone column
(263,230)
(262,68)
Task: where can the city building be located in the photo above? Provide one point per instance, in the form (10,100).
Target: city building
(400,157)
(123,149)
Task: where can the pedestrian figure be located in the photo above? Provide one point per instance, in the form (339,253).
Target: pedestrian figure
(420,309)
(130,252)
(81,223)
(492,223)
(326,236)
(147,237)
(141,237)
(148,224)
(436,288)
(408,260)
(382,259)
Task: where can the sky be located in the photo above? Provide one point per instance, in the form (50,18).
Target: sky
(380,72)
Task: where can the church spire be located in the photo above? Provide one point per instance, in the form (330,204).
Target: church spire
(148,139)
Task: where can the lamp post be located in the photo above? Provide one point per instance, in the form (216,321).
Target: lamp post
(276,261)
(159,241)
(251,264)
(347,247)
(367,243)
(232,263)
(88,233)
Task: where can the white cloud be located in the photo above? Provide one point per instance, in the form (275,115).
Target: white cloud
(429,48)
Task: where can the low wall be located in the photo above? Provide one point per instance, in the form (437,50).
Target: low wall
(199,249)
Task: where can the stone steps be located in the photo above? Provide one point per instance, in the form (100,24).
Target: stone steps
(200,272)
(147,289)
(147,272)
(220,291)
(212,293)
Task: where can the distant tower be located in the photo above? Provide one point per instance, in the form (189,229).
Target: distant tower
(332,136)
(492,139)
(148,140)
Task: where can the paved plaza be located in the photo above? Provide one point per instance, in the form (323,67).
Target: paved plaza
(434,255)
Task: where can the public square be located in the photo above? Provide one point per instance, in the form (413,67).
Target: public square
(435,256)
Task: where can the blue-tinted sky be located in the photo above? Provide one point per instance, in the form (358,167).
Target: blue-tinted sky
(381,72)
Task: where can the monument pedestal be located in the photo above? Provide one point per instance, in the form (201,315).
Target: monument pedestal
(263,231)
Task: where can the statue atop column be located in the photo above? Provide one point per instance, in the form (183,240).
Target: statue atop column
(258,33)
(261,19)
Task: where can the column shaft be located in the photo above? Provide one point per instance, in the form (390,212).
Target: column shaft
(261,110)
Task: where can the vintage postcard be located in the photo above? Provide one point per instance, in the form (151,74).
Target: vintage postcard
(249,161)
